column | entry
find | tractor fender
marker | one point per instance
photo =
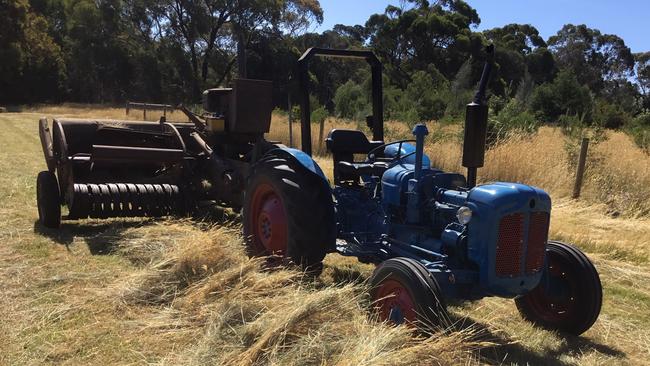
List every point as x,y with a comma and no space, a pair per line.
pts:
302,159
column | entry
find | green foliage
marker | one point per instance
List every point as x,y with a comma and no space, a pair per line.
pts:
319,115
424,93
609,115
32,66
512,119
642,68
639,130
351,101
412,37
574,130
642,120
424,99
596,59
563,96
460,91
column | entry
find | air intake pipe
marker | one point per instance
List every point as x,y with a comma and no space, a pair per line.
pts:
476,118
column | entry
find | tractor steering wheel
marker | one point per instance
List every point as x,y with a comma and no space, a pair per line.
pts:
371,154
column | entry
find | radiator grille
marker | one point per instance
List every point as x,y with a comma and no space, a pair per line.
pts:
537,236
510,245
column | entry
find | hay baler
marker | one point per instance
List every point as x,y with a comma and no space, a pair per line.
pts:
112,168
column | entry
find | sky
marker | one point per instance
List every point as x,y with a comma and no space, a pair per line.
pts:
625,18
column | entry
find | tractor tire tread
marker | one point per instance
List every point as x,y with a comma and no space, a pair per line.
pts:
591,291
48,200
309,207
432,309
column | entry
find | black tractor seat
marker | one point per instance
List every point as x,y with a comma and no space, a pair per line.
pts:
355,170
344,144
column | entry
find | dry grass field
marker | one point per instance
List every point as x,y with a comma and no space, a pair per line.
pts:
138,291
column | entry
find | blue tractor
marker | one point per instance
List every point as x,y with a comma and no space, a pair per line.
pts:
434,235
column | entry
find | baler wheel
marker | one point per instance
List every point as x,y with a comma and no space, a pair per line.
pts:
288,213
569,296
404,292
48,200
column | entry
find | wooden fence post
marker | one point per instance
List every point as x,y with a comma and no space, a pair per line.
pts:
580,172
127,108
144,112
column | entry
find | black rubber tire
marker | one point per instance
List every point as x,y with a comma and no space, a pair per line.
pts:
586,293
48,200
422,288
309,209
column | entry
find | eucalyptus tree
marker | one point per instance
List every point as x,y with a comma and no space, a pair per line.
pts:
220,31
422,33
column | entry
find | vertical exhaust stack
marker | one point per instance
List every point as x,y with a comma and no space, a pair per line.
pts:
476,117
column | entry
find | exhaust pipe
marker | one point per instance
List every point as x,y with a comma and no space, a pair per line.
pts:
476,117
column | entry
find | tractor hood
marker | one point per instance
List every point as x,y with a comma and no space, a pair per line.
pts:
507,236
506,197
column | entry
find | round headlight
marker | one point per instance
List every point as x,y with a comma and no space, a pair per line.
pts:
464,215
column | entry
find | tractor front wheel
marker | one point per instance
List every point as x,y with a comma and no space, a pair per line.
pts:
48,200
569,295
288,212
404,292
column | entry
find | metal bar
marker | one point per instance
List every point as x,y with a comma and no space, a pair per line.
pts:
377,102
584,147
305,112
471,177
336,53
105,153
303,67
151,106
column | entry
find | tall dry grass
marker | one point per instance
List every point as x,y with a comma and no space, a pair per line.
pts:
617,174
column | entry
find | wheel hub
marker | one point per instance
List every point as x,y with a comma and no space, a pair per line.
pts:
395,303
554,299
270,221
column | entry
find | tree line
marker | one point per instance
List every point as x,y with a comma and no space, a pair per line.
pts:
108,51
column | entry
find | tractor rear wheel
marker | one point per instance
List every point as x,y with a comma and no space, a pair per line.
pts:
404,292
48,200
569,296
288,212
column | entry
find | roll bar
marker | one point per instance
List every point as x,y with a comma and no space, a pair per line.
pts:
375,122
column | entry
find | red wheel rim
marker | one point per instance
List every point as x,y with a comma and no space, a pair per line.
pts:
268,221
554,299
395,302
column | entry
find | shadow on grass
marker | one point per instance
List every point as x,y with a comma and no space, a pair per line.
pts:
102,238
345,275
509,351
